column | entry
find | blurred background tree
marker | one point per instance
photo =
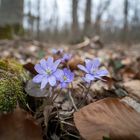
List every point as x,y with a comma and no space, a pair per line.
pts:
11,18
71,20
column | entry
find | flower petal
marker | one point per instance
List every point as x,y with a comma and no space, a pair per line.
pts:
68,74
89,77
61,50
44,82
83,68
38,78
96,63
88,64
101,73
55,64
85,80
39,69
52,80
49,61
58,74
54,51
66,57
43,64
64,85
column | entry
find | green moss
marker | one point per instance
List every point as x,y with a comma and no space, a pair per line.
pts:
8,31
12,78
13,67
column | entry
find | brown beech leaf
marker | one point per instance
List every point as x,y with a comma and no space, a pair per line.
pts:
30,67
108,118
110,81
19,125
133,88
72,63
127,73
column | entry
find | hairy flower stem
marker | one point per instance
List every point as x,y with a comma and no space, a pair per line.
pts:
85,97
54,98
51,92
72,100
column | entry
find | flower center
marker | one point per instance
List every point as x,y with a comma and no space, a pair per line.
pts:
48,71
94,71
65,78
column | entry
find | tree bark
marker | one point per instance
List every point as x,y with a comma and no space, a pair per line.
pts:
75,27
38,20
101,9
87,22
125,25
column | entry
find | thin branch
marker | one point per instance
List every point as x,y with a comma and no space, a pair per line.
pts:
67,123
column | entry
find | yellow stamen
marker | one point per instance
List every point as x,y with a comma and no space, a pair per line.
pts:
48,71
65,78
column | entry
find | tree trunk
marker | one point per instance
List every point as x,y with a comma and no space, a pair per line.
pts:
102,7
125,25
75,27
38,20
97,25
87,22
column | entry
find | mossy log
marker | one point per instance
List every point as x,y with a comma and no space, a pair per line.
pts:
12,78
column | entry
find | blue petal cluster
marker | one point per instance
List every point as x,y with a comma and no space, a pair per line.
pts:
92,70
66,78
66,57
47,72
55,51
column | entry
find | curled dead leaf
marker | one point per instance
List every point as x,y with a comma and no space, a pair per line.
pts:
110,81
133,88
34,90
30,67
19,125
72,63
127,73
108,118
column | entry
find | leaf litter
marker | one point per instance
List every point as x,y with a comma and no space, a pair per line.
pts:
110,116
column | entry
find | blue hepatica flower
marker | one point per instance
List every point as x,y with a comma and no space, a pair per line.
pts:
66,57
47,72
92,70
55,51
66,78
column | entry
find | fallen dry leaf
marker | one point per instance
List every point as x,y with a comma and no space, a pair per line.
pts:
33,89
30,67
127,73
133,88
131,102
19,125
109,118
72,63
110,81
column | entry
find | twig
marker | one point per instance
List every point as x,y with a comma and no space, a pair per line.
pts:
68,123
83,44
29,108
68,118
69,134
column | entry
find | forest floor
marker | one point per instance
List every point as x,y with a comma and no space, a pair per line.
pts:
64,121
